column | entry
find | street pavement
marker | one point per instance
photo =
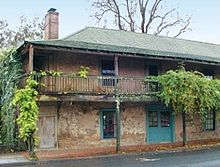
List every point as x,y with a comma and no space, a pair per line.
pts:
198,158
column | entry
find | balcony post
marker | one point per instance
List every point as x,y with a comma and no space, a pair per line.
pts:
30,58
116,65
117,100
118,122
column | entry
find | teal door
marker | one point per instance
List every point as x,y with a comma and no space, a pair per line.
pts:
159,125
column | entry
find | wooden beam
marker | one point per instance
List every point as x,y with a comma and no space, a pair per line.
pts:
116,65
30,58
105,53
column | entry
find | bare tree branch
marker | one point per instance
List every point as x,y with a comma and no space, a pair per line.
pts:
152,14
143,7
184,28
131,23
150,18
163,25
118,14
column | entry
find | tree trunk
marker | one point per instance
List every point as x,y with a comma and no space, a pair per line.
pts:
31,144
184,128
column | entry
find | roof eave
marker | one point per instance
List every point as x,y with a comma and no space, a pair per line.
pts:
127,54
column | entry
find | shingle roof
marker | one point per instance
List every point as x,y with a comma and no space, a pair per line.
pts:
137,43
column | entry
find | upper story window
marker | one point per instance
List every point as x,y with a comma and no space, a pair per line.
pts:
108,68
41,63
209,74
153,70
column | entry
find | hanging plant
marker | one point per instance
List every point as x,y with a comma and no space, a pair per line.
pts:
83,71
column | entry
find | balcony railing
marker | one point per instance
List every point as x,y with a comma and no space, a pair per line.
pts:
95,85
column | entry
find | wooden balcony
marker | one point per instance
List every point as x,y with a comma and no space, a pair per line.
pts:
94,85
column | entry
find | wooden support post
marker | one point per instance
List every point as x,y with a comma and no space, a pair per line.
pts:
184,127
117,100
30,58
116,65
118,124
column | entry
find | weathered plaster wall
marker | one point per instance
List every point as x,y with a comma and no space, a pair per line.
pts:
178,127
79,125
195,130
133,124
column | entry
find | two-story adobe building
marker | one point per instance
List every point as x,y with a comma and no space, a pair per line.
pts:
80,113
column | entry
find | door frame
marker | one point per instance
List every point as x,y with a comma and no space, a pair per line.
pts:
158,106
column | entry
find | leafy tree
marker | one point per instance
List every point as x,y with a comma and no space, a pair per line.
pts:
10,73
25,30
149,16
189,93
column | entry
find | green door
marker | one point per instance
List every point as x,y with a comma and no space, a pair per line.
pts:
159,124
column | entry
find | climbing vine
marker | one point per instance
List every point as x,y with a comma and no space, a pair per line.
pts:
25,99
189,93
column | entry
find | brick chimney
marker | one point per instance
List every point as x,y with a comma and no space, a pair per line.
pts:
51,30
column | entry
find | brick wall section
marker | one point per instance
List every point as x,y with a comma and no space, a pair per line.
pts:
51,25
70,62
131,67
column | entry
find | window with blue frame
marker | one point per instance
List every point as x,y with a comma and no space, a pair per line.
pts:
108,123
108,71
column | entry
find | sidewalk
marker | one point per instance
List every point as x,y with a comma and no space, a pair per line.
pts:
53,156
12,159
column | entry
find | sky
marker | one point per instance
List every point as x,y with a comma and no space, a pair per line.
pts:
76,14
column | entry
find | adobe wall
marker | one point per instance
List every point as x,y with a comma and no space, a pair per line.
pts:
133,124
195,130
79,125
